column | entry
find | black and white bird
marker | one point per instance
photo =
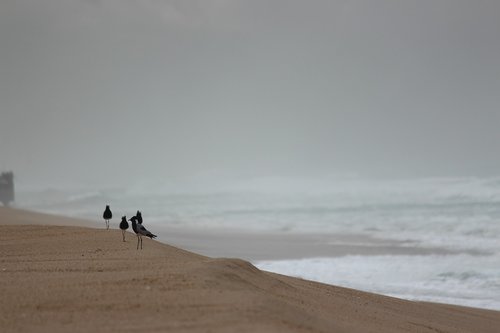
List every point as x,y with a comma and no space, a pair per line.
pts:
107,215
140,231
124,226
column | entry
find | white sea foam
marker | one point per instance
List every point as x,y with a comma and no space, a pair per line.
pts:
457,279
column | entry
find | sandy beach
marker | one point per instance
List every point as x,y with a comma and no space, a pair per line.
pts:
60,274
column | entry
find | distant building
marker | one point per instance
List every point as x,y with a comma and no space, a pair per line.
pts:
6,188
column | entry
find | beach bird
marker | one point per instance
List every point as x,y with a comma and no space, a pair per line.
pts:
107,215
124,226
140,231
139,217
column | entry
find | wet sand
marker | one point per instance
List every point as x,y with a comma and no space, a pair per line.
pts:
256,246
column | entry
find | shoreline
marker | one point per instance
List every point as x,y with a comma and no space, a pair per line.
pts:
60,278
262,246
258,246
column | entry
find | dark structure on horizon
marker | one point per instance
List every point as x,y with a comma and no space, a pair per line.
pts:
6,188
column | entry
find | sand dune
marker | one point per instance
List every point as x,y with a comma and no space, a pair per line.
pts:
70,278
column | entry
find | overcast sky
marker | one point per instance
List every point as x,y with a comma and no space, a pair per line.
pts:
108,91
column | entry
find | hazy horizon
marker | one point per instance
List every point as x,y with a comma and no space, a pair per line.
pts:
105,92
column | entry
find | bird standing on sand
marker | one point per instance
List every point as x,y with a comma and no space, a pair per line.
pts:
140,231
107,215
124,226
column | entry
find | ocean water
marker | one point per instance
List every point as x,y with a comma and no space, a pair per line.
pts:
460,215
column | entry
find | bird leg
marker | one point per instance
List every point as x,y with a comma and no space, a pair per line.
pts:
141,242
123,234
137,242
